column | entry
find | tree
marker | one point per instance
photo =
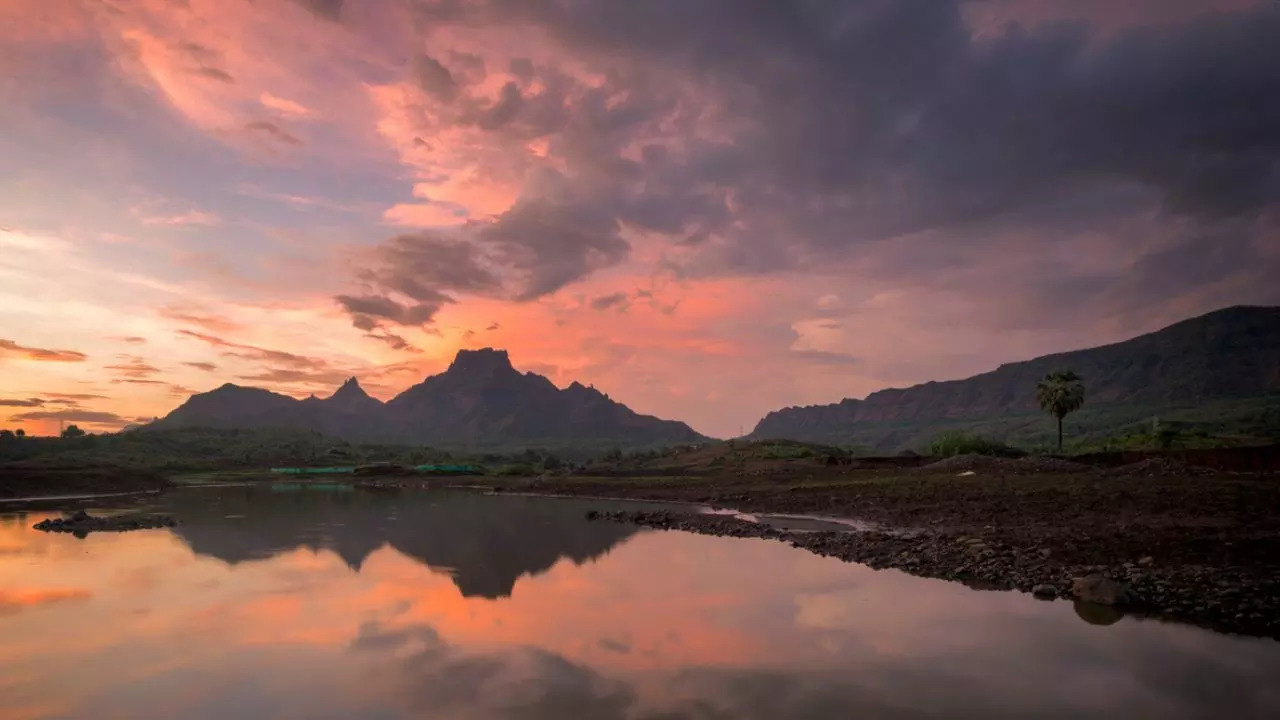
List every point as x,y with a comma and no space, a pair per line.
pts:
20,433
1060,393
72,431
6,434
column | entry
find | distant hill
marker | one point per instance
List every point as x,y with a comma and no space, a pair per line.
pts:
1223,367
481,401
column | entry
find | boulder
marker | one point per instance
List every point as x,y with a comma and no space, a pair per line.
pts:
1101,590
1044,591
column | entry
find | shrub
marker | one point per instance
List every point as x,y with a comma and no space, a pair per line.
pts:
956,442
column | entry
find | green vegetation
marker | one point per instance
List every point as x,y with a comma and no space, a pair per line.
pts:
1226,422
198,449
1060,393
217,454
956,442
788,450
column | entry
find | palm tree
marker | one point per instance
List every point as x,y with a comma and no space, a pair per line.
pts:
1060,393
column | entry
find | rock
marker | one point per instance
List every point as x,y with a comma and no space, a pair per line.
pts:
1146,561
593,514
1101,590
1045,591
82,523
1045,552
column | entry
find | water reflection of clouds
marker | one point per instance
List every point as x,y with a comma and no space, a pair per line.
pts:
664,625
15,600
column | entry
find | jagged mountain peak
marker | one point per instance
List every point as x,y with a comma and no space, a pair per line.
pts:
351,397
350,388
481,400
483,360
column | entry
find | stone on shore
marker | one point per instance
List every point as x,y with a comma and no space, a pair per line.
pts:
1102,591
1045,591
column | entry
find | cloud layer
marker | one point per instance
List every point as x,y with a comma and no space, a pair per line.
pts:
671,200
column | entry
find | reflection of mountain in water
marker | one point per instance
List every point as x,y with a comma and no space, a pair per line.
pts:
486,543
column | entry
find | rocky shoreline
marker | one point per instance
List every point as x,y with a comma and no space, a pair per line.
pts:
1236,599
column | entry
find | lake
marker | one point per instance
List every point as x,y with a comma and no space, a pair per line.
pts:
330,602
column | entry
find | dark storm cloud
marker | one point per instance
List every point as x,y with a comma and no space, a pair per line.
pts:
374,307
214,73
434,78
206,60
287,376
394,341
547,240
821,357
422,267
134,367
420,264
272,131
86,416
30,402
255,353
604,302
843,124
71,397
504,110
324,9
550,242
9,348
522,68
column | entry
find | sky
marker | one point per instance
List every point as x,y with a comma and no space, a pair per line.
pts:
707,209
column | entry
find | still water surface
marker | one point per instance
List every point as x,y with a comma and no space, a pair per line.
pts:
279,603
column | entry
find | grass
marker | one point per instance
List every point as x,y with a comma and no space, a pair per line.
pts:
1222,423
956,442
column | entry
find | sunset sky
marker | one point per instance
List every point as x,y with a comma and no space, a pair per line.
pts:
707,208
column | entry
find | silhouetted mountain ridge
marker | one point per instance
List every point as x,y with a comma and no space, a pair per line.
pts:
480,400
1230,353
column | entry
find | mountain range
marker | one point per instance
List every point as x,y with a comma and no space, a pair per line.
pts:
480,401
1225,364
1220,370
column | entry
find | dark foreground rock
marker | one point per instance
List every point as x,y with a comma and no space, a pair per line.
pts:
1235,599
82,523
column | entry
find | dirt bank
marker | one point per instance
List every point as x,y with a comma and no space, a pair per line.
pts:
18,481
1187,544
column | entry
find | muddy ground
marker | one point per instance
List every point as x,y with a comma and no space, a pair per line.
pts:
1184,543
